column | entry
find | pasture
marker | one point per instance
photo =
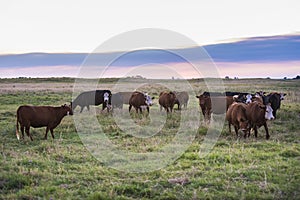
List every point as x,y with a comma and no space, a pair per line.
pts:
63,168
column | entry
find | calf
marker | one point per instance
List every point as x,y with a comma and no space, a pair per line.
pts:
167,100
140,100
40,116
182,99
236,115
96,98
258,114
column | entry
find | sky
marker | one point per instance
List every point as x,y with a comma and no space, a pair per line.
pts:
56,26
80,26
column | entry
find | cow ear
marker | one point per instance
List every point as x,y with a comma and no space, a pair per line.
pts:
284,94
198,97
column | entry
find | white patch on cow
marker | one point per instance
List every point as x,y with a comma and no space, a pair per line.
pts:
148,100
282,96
235,97
269,112
18,136
106,96
248,98
143,107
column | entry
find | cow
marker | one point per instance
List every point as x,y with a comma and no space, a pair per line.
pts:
258,114
275,99
167,100
219,107
139,101
182,99
40,116
96,97
237,116
117,101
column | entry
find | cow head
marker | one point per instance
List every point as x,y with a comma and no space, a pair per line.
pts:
68,109
248,98
148,99
269,112
244,124
282,96
107,100
202,99
106,97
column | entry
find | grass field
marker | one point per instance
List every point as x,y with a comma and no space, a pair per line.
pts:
63,168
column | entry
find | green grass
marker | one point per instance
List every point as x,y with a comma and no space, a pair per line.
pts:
236,168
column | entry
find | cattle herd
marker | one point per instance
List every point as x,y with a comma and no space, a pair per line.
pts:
243,110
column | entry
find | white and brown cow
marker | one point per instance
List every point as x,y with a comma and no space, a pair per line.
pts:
139,101
258,114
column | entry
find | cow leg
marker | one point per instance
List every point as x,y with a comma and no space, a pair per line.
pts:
81,109
88,107
255,131
229,126
140,108
274,113
47,130
22,131
236,130
130,106
28,133
209,116
148,109
51,130
267,131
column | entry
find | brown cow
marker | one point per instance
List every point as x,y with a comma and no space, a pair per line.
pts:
236,115
40,116
140,100
258,114
219,107
182,99
167,100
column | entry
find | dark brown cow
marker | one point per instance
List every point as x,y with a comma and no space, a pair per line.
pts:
167,100
219,107
139,101
236,115
182,99
258,114
40,116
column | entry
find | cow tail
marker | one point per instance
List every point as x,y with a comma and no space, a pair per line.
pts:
17,128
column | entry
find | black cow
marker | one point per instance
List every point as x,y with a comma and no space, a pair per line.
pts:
96,98
275,99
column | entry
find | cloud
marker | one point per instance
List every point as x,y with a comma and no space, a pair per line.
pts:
274,56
